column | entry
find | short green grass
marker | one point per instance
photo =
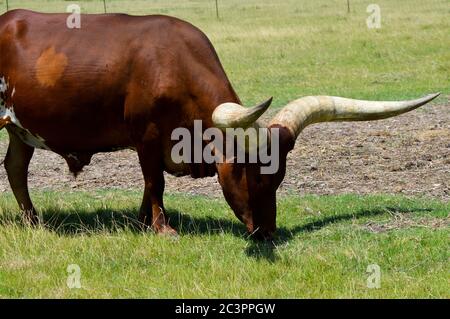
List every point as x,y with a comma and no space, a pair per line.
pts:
292,48
4,136
323,249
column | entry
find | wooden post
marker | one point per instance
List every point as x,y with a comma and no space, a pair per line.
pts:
217,10
104,5
7,5
348,6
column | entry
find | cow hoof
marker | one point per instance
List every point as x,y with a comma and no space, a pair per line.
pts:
31,220
31,223
167,231
144,222
142,218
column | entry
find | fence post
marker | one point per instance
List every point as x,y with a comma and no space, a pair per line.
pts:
348,6
217,10
7,5
104,5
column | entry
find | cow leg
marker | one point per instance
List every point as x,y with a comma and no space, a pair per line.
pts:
152,211
17,160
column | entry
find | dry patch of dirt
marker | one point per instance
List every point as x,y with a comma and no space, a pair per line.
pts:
400,221
409,154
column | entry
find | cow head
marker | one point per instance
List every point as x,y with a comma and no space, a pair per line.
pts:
249,191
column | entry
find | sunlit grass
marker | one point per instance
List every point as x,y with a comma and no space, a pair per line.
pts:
323,249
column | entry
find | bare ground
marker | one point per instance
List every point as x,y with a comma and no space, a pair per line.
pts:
408,155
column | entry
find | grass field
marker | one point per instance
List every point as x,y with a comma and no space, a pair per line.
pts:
286,49
292,48
324,248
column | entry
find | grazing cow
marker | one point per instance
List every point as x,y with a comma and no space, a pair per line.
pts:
124,81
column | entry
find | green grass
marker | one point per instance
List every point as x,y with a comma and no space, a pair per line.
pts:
4,136
323,249
292,48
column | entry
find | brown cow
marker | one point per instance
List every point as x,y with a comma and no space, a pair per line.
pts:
124,81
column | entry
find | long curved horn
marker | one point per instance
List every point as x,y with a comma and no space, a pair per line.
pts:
232,115
314,109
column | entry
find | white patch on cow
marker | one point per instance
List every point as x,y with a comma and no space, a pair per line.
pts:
25,135
3,86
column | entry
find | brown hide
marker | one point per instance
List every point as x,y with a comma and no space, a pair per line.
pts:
111,84
118,82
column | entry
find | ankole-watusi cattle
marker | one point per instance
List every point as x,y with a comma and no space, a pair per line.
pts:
124,81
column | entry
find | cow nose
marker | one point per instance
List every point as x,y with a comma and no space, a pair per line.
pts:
260,232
